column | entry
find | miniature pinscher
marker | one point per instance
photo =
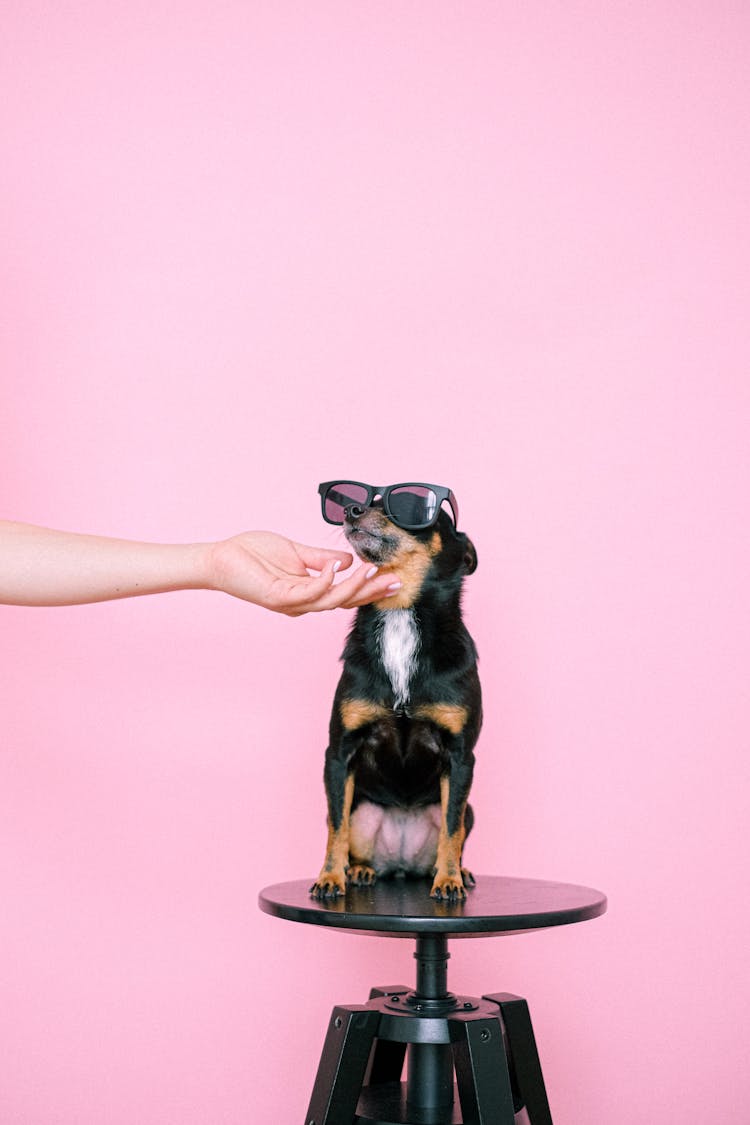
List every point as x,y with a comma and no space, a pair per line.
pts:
407,710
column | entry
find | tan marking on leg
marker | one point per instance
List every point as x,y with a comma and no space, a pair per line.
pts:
453,718
448,882
332,878
356,713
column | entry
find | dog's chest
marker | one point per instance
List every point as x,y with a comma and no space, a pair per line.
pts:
398,644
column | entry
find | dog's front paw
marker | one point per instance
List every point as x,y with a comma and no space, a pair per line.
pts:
329,884
361,875
448,888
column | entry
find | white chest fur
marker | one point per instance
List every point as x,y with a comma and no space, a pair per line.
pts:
399,648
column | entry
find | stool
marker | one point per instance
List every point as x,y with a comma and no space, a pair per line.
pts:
482,1047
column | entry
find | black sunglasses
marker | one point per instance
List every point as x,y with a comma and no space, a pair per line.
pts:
413,507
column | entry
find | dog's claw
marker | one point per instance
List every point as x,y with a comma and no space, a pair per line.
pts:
448,890
327,888
361,875
468,878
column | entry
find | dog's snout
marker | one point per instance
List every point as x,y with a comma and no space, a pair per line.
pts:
354,511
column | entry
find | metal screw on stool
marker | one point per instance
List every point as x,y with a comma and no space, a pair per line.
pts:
486,1035
337,1024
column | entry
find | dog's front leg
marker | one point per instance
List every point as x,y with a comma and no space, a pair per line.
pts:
339,783
454,792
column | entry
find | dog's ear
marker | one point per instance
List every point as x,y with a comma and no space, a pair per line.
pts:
470,556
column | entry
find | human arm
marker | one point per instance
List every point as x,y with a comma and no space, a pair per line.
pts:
42,567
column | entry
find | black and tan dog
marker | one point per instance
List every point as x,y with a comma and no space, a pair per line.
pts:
406,714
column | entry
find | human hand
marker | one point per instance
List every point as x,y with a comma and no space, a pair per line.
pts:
271,571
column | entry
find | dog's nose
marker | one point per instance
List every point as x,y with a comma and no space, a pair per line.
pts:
354,511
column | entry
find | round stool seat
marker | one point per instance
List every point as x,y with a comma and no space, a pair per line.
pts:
470,1059
403,907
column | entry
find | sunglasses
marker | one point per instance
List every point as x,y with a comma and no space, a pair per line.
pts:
412,507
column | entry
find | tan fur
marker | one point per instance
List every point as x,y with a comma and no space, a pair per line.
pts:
361,874
446,715
448,873
332,878
355,713
410,565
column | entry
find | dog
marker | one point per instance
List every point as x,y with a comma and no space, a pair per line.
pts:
408,709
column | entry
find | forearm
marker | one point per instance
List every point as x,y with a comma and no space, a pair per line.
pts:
42,567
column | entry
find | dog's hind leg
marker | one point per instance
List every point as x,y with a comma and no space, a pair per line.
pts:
366,821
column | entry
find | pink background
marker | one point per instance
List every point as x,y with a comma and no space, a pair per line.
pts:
248,247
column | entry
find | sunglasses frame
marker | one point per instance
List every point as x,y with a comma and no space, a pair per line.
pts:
442,494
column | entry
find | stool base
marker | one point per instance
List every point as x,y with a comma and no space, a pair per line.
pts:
487,1045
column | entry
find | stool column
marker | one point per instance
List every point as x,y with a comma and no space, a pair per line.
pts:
429,1081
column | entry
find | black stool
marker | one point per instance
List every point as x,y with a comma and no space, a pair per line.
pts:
487,1043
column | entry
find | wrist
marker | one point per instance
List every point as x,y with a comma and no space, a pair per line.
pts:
213,564
200,567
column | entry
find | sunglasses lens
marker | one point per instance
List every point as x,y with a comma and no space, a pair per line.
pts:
414,506
340,496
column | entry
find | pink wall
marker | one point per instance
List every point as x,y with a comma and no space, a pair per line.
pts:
248,247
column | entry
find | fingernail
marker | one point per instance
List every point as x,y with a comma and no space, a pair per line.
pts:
336,565
394,586
371,572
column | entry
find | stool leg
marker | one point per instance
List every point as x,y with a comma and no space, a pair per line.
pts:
481,1071
524,1056
342,1066
387,1061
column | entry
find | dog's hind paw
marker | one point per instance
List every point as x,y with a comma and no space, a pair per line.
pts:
361,875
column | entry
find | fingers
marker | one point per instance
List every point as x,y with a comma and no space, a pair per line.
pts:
317,558
360,589
303,596
372,595
318,594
